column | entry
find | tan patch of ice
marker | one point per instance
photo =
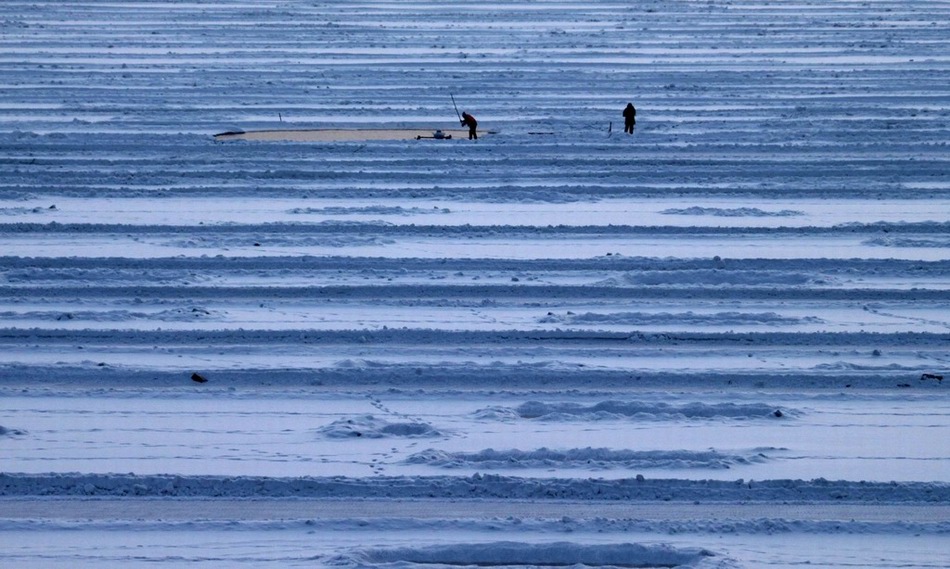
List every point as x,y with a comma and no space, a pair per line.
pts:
335,135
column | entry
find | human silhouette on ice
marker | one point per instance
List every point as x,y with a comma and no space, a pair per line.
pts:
469,121
629,118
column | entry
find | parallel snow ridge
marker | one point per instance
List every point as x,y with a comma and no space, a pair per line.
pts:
596,458
580,338
777,222
476,486
734,212
762,526
762,100
641,410
367,210
684,318
184,314
505,554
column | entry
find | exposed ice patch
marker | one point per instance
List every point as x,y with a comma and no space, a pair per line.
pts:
599,458
731,212
370,427
514,554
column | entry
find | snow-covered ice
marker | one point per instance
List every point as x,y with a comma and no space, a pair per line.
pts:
719,342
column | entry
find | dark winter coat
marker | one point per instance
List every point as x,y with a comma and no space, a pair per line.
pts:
630,113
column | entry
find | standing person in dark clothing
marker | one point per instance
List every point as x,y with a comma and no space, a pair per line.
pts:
469,121
629,118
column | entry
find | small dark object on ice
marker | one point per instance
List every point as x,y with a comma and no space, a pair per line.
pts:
926,376
198,378
438,135
231,132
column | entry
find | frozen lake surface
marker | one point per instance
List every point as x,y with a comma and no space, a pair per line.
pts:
718,342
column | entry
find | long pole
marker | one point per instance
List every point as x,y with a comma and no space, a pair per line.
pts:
456,107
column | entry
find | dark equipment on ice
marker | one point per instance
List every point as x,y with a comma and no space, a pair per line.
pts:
437,135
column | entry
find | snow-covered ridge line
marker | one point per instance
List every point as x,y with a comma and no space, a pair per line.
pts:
507,554
121,381
605,263
391,229
596,458
539,410
770,526
476,292
476,486
530,172
544,191
418,336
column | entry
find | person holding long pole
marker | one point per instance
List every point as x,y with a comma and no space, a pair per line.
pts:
466,120
469,121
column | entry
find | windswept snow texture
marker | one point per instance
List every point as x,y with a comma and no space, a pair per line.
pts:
642,318
593,458
507,554
640,410
726,333
737,212
371,427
